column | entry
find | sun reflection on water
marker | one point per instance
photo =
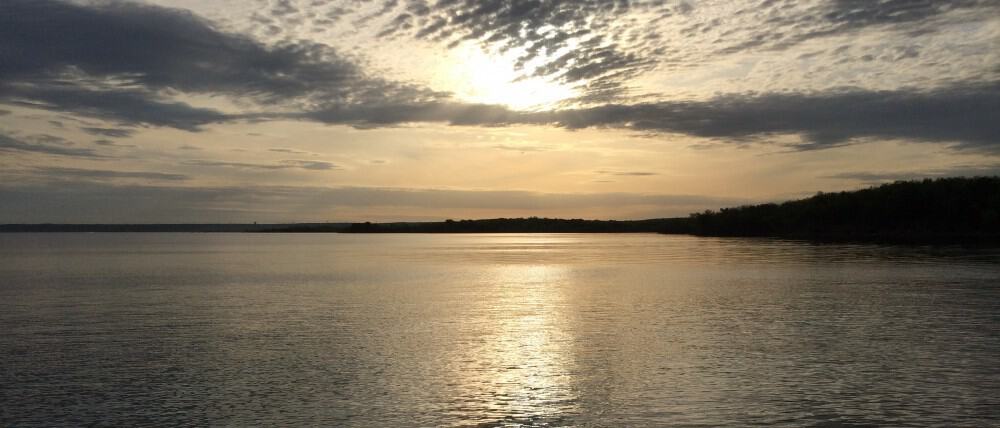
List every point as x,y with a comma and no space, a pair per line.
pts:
522,363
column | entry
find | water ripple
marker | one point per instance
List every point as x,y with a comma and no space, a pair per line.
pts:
494,331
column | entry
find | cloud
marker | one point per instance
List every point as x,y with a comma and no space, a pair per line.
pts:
627,173
124,62
44,144
132,64
968,115
240,165
170,49
288,150
109,132
851,14
520,148
49,139
189,147
285,164
110,203
313,165
109,143
776,25
129,106
94,174
599,46
597,43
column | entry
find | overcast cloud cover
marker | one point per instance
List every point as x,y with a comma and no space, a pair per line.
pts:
96,91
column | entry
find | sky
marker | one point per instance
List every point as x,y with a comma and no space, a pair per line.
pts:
225,111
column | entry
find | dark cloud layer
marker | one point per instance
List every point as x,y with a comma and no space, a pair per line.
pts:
120,61
127,106
156,48
968,115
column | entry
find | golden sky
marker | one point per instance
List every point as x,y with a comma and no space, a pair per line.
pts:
315,110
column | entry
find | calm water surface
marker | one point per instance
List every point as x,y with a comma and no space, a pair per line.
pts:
494,330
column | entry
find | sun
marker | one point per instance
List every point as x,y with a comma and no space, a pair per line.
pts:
481,77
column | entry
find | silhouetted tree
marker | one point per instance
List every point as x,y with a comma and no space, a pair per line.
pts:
945,209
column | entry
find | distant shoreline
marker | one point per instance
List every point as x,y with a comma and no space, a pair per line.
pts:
149,228
434,228
669,226
532,225
939,211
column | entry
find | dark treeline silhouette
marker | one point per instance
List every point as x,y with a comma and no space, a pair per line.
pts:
931,210
928,211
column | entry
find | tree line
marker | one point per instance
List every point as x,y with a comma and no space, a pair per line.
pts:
930,210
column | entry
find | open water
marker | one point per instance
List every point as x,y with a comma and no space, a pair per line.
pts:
494,330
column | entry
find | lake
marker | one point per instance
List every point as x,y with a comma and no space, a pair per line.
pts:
494,330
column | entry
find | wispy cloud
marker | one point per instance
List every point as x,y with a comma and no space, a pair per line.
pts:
44,145
285,164
520,148
109,132
627,173
289,151
109,143
307,164
101,175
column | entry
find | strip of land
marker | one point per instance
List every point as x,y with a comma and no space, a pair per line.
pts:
944,210
159,228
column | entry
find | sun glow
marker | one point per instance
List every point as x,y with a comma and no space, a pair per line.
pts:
480,77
